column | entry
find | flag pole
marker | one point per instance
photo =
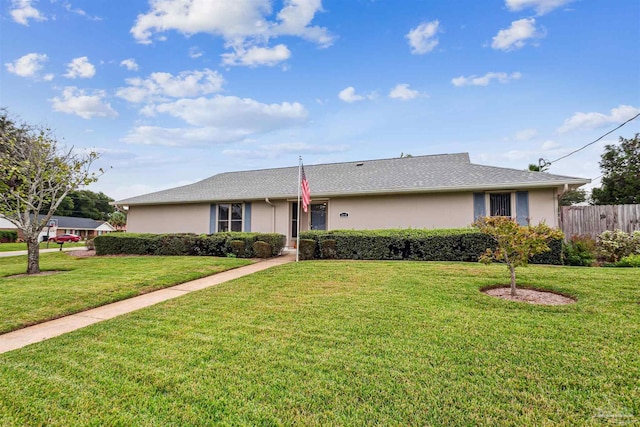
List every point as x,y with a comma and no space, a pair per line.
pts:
298,214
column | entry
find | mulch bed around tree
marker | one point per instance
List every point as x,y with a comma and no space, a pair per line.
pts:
531,296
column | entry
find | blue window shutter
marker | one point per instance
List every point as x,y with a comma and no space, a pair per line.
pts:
247,217
479,208
212,219
522,207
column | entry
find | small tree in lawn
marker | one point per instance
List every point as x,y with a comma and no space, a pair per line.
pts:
516,244
34,174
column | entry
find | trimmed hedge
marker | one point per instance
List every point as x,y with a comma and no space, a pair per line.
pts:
219,244
8,236
412,244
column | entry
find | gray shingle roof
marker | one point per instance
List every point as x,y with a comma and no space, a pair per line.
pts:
443,172
76,223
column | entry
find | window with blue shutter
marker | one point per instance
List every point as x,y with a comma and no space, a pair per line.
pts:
522,207
212,219
247,217
479,209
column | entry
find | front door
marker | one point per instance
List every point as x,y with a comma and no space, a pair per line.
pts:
319,216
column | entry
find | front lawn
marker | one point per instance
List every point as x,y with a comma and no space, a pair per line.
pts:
347,343
84,283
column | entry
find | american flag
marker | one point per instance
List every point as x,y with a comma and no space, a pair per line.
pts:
306,194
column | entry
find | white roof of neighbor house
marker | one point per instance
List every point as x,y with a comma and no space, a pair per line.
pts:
5,223
434,173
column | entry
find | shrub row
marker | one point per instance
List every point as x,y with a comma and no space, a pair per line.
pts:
241,245
8,236
408,244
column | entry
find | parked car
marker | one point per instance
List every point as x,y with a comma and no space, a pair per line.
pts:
64,238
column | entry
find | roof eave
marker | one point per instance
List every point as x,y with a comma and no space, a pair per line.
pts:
486,187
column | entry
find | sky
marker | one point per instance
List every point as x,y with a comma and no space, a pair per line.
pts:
170,92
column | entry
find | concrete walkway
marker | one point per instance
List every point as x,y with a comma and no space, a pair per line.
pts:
42,251
33,334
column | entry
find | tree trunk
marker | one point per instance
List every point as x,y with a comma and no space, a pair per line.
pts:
33,251
512,270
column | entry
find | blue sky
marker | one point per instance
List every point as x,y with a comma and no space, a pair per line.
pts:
174,91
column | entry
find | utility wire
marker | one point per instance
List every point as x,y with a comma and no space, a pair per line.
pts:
593,142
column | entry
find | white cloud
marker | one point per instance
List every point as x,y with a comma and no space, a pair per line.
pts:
275,150
130,64
158,86
295,19
23,10
597,120
243,24
402,91
77,101
178,137
220,119
549,145
255,56
233,112
540,6
80,12
516,35
195,52
80,67
27,65
422,39
485,80
526,134
349,95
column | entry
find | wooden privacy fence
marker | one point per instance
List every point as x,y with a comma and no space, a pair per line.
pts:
593,220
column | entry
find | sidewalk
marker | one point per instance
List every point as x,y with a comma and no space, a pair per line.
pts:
42,251
33,334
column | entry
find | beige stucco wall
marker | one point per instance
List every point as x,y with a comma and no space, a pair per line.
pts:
193,218
262,217
435,210
402,211
543,206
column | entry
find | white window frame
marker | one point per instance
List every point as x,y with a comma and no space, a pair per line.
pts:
512,201
229,219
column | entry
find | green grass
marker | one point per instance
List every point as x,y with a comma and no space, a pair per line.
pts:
85,283
346,343
11,247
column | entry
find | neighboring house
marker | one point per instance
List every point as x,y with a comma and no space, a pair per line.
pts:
438,191
86,228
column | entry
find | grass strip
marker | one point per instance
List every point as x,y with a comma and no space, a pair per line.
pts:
83,283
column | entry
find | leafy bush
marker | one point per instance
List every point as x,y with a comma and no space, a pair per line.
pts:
307,249
261,249
458,244
616,244
579,251
629,261
238,247
328,249
218,244
8,236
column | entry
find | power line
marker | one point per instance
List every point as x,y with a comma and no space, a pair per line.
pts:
593,142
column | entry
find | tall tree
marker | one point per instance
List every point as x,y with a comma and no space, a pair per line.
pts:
118,220
86,204
620,167
573,197
35,172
